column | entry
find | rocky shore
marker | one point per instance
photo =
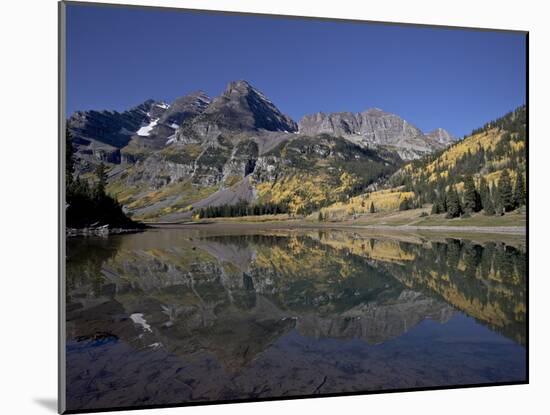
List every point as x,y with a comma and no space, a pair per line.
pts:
104,230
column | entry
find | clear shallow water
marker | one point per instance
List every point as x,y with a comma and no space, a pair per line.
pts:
175,316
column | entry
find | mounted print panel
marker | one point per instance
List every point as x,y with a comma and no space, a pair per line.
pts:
265,207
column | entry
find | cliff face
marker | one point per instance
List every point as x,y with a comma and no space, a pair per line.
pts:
374,125
375,128
442,136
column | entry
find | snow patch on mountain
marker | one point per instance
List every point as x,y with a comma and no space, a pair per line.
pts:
145,130
137,318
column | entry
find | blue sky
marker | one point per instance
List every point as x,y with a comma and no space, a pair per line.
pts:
450,78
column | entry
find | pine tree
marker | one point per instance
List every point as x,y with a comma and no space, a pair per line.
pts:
443,202
484,192
101,180
431,195
488,207
320,217
505,191
471,196
496,200
436,208
87,207
372,208
519,191
81,188
454,209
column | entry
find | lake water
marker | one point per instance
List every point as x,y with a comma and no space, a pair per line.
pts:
184,315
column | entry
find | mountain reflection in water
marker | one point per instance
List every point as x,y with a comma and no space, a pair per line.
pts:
175,316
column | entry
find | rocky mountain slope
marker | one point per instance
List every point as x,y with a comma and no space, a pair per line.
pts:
99,135
240,108
376,128
167,160
487,153
496,150
441,136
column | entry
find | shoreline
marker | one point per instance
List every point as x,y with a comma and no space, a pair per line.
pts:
509,230
103,231
513,230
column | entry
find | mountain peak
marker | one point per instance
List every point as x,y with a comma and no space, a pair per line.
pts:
238,85
245,88
375,111
243,107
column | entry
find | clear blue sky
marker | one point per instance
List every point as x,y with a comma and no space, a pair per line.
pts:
449,78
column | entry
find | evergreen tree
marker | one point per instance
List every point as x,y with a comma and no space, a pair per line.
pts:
471,196
486,197
505,191
489,207
86,207
101,180
497,201
320,217
436,208
372,208
443,202
82,188
484,192
519,191
454,209
430,195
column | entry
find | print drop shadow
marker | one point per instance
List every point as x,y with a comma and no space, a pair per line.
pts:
48,403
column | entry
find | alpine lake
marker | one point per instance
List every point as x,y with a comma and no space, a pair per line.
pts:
203,313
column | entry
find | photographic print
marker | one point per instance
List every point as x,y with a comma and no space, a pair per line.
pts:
265,207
